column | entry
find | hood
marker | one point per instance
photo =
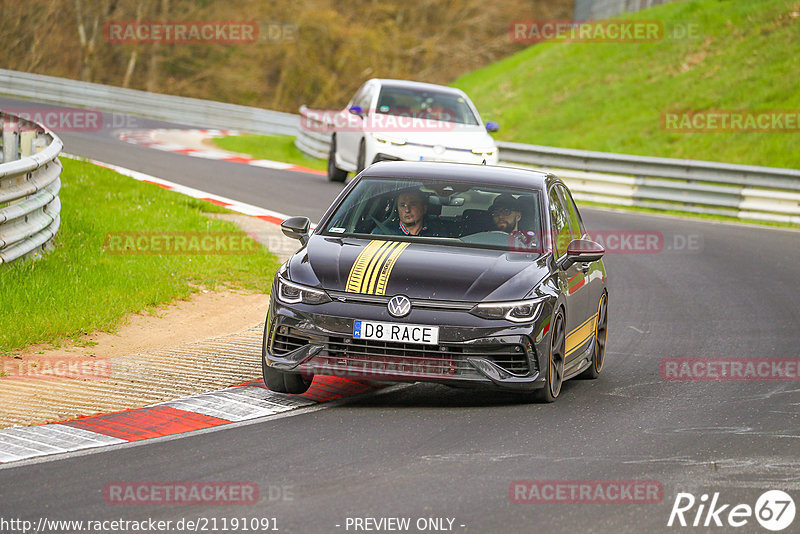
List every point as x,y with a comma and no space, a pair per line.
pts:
417,270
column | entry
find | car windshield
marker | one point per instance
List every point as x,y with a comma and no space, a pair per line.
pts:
434,105
445,211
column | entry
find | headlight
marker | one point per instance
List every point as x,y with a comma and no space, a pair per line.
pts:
488,151
518,311
291,293
389,139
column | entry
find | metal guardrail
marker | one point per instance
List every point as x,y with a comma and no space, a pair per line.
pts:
743,191
692,186
311,139
30,210
184,110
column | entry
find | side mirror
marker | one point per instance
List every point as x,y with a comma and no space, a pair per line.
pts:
356,110
583,251
296,228
492,126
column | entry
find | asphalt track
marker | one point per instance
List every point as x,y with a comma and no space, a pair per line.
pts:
427,451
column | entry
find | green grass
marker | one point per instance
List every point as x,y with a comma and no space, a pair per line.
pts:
688,214
271,147
610,96
79,288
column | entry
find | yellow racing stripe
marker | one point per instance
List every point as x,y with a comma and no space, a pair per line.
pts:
375,265
386,271
580,335
356,275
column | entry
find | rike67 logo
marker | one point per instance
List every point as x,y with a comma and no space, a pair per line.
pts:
774,510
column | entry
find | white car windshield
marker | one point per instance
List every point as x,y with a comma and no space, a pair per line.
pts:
434,105
444,211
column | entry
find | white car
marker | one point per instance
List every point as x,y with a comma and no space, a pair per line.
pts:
390,120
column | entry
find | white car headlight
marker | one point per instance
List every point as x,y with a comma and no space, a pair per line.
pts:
389,139
291,293
488,151
518,311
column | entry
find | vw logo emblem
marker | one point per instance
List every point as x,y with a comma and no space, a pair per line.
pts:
399,306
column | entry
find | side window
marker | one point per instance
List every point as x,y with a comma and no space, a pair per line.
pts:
559,222
575,223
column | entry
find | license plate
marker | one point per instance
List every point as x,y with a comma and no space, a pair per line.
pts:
396,332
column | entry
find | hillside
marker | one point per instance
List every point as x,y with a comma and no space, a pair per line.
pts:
315,52
611,96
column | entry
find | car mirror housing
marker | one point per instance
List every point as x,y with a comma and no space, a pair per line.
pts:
296,228
356,110
583,251
492,126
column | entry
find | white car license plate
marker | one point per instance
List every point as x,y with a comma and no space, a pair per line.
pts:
396,332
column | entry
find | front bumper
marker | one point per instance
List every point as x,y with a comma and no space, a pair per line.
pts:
471,351
418,152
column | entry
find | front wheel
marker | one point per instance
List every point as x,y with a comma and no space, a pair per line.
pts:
335,174
555,363
283,382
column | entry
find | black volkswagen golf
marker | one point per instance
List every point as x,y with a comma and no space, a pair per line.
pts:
466,275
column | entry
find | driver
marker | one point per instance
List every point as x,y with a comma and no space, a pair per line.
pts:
412,208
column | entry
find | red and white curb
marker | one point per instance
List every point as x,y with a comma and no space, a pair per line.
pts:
241,403
155,139
233,205
250,400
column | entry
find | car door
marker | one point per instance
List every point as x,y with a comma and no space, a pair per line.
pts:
349,138
594,272
569,279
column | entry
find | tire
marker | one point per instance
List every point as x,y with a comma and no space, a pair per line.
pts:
600,336
554,378
281,381
334,173
362,157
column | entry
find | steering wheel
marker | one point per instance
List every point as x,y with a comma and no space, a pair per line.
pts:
385,229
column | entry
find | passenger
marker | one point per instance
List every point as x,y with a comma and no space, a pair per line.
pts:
506,213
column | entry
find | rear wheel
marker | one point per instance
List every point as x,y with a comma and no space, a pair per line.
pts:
334,173
600,335
555,363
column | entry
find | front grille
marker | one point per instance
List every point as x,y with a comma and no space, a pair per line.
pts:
435,359
286,340
405,358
